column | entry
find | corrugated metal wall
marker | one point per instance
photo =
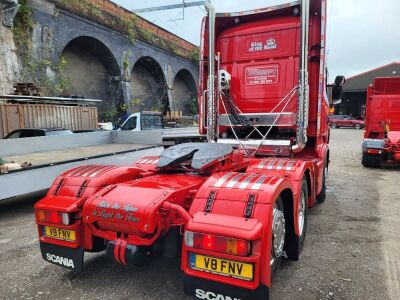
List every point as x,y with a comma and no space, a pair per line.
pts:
15,116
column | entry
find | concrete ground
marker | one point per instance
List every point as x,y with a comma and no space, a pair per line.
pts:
352,248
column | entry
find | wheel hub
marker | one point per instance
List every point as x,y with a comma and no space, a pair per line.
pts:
278,234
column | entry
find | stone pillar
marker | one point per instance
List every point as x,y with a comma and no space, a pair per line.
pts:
126,91
169,78
125,83
10,68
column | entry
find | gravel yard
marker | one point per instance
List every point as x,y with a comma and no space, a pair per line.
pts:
352,248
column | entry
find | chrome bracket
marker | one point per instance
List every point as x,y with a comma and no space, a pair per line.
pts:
9,9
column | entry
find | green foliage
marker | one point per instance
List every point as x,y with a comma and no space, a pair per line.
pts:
146,35
195,55
125,61
52,85
131,36
135,105
35,69
173,47
25,14
109,114
2,161
157,107
193,106
61,82
22,30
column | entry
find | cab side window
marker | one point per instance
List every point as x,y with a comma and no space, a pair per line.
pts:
130,124
14,135
27,133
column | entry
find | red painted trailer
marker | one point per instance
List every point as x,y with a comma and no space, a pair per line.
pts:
236,205
381,145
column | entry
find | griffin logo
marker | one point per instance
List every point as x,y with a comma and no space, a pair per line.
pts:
200,294
66,262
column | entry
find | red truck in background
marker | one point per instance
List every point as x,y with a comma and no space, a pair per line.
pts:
381,145
231,208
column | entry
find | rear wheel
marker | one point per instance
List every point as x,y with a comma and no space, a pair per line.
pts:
333,125
357,126
369,161
278,232
302,214
364,161
322,195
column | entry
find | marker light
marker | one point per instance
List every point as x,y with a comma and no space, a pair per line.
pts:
55,217
217,243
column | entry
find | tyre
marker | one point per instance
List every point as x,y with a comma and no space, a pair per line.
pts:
365,161
302,214
368,161
357,126
322,195
278,232
333,125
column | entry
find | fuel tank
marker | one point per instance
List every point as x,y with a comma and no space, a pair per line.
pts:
134,207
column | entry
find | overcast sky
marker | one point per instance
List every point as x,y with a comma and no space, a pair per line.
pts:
362,34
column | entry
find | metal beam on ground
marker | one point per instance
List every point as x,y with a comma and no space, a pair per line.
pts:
24,98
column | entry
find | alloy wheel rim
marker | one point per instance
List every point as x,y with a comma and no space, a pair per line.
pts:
302,212
278,234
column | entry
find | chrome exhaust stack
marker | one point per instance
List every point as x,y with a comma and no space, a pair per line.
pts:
212,126
302,116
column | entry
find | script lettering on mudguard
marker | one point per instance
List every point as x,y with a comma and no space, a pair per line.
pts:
206,295
66,262
116,211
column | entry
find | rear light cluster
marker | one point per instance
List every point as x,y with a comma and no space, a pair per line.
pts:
55,217
217,243
374,151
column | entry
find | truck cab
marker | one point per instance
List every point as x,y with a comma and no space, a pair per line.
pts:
145,120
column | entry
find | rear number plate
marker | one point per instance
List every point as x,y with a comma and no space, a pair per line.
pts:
59,233
222,267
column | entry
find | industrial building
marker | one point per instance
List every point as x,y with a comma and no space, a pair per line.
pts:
355,89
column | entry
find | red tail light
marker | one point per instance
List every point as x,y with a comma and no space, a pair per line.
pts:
54,217
217,243
374,151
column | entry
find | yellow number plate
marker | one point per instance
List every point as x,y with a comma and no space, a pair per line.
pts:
59,233
223,267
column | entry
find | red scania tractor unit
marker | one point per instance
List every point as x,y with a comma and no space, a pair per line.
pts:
233,207
381,145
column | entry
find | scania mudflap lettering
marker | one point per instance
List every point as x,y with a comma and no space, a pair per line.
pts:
238,204
381,145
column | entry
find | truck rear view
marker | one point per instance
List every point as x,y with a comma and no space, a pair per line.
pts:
381,145
238,204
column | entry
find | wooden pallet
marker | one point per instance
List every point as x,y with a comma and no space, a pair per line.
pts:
26,89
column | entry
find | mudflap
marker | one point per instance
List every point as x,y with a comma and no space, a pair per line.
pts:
212,290
70,258
371,160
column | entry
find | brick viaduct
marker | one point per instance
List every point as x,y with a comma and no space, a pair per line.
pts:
104,63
